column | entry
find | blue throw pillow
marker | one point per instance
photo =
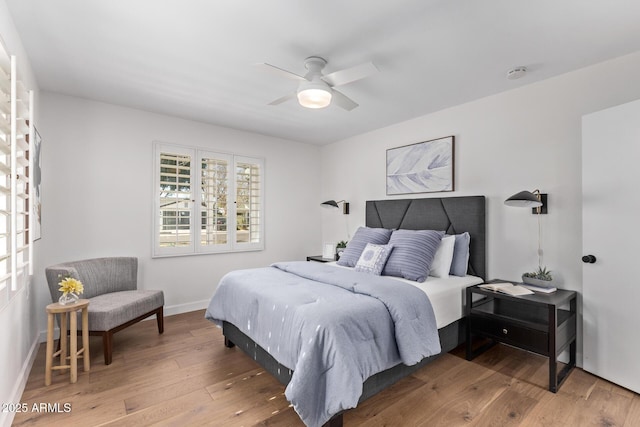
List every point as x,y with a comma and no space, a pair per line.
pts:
364,235
373,258
460,261
413,252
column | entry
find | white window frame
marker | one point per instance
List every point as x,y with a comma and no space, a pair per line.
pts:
196,210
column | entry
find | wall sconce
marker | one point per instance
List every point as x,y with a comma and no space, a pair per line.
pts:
529,199
333,203
538,202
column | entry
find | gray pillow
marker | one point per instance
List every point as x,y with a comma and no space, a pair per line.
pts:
364,235
460,261
413,252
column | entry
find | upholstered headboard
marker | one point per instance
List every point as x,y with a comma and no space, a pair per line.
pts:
455,215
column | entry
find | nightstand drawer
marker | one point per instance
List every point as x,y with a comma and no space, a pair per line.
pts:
510,333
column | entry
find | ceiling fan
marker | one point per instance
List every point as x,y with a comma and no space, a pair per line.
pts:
317,90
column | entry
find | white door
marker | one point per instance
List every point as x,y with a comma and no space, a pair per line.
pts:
610,230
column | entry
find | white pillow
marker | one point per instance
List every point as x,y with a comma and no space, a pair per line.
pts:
444,256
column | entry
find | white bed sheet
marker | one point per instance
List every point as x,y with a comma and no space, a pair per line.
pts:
447,295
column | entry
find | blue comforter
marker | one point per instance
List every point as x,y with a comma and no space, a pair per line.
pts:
332,326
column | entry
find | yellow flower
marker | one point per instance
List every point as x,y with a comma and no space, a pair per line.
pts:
71,285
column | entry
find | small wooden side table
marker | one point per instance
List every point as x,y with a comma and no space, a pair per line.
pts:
74,353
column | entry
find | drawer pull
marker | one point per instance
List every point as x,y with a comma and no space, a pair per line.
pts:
505,331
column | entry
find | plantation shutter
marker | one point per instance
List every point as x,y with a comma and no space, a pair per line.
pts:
16,124
249,201
174,197
206,202
214,202
5,175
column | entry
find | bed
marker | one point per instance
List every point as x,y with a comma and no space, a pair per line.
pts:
454,215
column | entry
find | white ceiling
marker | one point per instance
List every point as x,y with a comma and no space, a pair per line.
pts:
194,58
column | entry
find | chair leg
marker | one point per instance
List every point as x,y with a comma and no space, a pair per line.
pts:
107,339
160,319
107,336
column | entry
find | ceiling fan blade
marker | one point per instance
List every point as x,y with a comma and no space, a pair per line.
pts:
348,75
279,71
343,101
284,99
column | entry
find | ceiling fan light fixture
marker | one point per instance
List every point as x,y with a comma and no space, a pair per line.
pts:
314,96
317,90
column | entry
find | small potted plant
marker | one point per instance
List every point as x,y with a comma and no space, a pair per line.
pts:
340,247
541,277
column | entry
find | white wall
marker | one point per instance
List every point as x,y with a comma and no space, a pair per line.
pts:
523,139
18,339
97,191
97,195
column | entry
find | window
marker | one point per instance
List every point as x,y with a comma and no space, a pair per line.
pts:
16,124
248,200
206,202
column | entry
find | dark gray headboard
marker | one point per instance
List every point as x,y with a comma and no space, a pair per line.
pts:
455,215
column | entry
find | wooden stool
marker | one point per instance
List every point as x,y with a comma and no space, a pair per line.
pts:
57,308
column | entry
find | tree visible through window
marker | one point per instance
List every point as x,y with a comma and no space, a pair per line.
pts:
248,201
214,176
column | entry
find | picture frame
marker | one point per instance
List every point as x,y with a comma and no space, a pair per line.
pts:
423,167
329,251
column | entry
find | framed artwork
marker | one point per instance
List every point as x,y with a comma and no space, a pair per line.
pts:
36,205
425,167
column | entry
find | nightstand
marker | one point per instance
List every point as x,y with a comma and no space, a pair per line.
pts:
541,323
318,258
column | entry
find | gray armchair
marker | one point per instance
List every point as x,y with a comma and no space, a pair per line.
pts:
111,286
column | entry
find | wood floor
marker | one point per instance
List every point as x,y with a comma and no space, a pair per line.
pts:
187,377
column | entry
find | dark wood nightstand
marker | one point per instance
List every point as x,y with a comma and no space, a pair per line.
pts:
318,258
535,323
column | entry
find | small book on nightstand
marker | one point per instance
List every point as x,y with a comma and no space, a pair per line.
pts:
506,288
542,289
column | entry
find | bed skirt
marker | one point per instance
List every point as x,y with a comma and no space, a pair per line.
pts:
451,336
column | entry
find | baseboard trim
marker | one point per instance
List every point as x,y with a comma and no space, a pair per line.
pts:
185,308
6,418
